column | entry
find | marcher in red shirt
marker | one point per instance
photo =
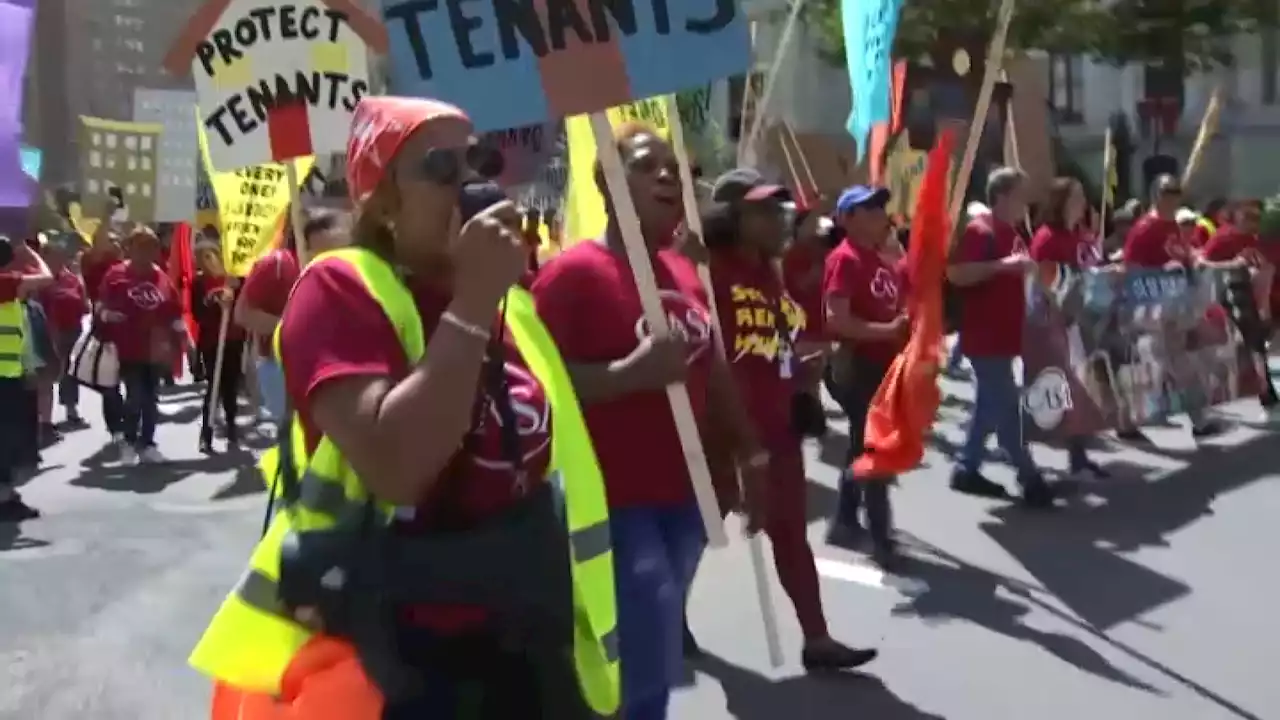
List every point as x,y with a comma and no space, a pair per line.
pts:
1157,242
142,315
759,326
1235,244
262,299
213,293
865,311
22,274
989,268
434,434
802,268
588,298
103,255
65,304
1064,239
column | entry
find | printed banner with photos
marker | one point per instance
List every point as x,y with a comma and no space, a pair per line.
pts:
1101,346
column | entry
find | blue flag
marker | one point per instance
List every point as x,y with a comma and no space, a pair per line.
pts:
869,29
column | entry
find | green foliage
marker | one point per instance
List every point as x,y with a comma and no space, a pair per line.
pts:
1194,34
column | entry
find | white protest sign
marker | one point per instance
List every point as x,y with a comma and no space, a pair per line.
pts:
276,80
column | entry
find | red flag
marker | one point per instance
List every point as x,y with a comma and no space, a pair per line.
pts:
905,405
182,272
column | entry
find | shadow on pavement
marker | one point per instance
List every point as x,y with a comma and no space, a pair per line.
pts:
750,696
11,539
154,478
247,481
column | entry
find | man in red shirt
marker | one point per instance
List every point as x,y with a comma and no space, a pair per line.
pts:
989,266
866,312
1156,241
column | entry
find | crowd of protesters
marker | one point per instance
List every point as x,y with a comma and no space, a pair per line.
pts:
807,295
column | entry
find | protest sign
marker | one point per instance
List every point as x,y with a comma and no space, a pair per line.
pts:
17,17
276,80
206,201
1104,346
511,65
178,152
115,154
584,215
525,150
32,161
251,206
869,29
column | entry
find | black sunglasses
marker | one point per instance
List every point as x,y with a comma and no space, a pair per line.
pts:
440,166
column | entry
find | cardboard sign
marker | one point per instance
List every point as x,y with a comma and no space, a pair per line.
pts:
516,64
1102,345
115,154
524,150
275,80
251,205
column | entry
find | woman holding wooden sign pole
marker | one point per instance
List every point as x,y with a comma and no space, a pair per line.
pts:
589,299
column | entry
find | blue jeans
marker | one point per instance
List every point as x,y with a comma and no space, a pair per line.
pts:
141,409
271,385
68,388
997,409
655,554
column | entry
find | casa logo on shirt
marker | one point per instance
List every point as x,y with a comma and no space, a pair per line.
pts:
884,286
532,414
1087,254
1176,246
687,320
146,295
756,323
1048,398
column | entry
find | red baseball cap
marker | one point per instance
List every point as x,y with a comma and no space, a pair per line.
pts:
381,125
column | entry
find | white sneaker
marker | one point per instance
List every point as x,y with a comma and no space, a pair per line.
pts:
128,455
151,455
118,439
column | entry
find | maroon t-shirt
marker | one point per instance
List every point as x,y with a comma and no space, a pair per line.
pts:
152,312
992,311
1154,242
872,289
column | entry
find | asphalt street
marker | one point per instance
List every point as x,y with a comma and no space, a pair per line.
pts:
1150,595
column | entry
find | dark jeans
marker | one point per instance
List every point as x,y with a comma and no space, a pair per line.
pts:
141,407
997,408
68,388
19,428
228,387
854,396
113,409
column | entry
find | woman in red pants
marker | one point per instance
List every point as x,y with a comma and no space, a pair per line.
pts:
745,233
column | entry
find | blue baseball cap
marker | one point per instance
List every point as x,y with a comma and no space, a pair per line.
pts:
862,196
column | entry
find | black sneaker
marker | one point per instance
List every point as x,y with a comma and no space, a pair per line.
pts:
691,647
15,510
1037,495
973,483
1133,435
1089,467
1209,429
842,534
831,656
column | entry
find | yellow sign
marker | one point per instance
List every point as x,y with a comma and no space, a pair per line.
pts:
251,205
584,215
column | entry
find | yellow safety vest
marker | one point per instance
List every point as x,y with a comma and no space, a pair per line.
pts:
12,339
252,638
1208,225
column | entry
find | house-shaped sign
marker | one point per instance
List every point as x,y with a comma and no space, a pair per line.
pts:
276,79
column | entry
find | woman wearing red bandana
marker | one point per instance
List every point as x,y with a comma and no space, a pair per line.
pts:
410,387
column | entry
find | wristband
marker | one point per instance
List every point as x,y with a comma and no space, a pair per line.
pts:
471,329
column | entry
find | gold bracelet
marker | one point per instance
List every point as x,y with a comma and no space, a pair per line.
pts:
471,329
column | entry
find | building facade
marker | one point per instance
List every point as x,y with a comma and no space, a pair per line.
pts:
91,55
116,154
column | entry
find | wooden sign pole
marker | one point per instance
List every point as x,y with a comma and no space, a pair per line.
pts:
638,257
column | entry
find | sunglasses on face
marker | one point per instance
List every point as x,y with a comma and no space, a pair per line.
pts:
644,160
439,166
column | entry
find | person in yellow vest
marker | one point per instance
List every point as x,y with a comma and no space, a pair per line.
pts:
429,404
22,272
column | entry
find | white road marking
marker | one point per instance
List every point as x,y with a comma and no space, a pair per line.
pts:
868,576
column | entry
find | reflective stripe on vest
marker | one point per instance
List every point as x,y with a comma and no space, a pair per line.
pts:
233,648
12,321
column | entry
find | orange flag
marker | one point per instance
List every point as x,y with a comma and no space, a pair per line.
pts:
905,405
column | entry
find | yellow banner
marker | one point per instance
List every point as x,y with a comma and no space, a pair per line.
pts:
251,205
584,215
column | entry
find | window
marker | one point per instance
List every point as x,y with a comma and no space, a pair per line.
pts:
1066,87
130,142
134,45
95,158
111,141
131,163
146,190
1270,66
92,186
146,163
96,139
146,143
130,189
111,162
